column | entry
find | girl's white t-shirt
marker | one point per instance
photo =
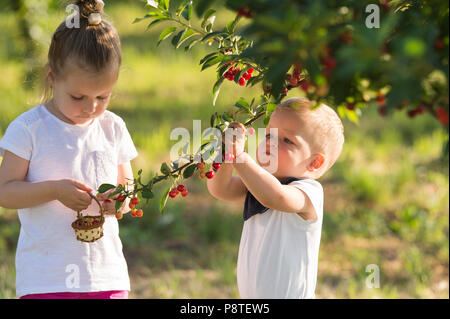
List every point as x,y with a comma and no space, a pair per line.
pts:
49,258
279,251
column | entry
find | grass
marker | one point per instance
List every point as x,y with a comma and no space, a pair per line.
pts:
386,199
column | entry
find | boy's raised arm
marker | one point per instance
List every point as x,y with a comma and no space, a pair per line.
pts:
269,191
225,186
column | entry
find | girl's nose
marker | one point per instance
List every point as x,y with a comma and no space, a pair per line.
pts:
90,107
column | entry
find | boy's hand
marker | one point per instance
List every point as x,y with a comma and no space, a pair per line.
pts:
234,139
73,194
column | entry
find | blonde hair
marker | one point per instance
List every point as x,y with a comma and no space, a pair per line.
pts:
328,129
94,46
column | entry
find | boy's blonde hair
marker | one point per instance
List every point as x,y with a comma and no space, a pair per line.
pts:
328,137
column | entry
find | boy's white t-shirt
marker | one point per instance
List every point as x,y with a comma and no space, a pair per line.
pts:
49,258
279,252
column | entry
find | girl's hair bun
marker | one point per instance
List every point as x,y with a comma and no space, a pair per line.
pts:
91,10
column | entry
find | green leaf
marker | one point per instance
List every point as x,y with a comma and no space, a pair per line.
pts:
211,62
163,200
216,91
206,57
149,15
212,35
188,171
165,169
202,5
271,107
242,104
208,19
177,38
165,4
117,205
187,11
232,24
213,119
186,35
117,191
226,117
147,194
191,44
105,187
165,34
157,20
266,119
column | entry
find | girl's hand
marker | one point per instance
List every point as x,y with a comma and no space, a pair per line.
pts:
235,138
108,204
73,194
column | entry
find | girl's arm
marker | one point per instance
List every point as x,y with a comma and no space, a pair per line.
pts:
16,193
225,186
268,190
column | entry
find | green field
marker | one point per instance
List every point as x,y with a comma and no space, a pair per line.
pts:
386,199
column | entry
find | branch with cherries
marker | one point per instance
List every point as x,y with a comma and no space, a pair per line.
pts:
317,47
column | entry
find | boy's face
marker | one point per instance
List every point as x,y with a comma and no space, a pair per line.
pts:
80,96
291,143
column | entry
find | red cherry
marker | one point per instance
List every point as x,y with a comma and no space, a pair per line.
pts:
133,212
247,76
350,106
201,166
304,85
420,109
244,12
131,205
442,115
296,72
293,81
209,174
329,63
184,193
412,113
172,194
201,174
382,111
181,188
250,71
439,44
134,200
216,166
381,99
139,213
346,37
242,81
121,198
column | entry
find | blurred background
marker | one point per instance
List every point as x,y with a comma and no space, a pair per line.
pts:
386,199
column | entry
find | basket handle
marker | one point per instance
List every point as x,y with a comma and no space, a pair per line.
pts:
99,205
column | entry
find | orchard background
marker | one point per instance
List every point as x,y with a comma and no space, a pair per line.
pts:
386,199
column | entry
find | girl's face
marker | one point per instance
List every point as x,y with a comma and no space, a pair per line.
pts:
79,96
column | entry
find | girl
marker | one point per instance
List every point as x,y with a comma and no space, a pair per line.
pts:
56,154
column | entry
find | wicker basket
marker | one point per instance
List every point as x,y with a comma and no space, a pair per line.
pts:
89,228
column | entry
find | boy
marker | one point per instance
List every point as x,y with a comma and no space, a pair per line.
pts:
279,248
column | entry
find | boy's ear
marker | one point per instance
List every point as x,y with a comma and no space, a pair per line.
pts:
317,162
